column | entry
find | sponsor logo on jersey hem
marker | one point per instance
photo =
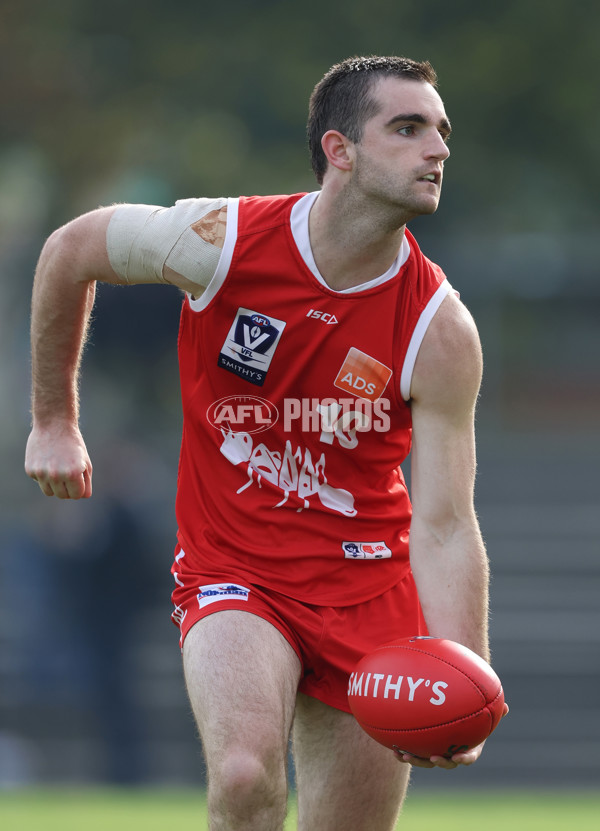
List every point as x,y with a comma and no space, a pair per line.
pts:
250,345
366,550
221,591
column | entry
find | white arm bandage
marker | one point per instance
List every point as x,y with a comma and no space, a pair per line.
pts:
142,239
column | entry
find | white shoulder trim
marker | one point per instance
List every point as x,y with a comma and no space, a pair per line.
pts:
417,337
231,232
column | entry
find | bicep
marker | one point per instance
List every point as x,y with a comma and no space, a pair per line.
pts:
446,384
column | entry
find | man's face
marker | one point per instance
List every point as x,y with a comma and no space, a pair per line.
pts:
400,158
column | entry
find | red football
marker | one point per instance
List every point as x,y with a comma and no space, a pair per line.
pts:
426,696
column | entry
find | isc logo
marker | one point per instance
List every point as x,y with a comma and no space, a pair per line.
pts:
242,414
324,316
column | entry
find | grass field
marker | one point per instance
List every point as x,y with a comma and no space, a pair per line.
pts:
157,810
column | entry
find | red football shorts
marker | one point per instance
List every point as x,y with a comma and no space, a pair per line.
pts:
329,640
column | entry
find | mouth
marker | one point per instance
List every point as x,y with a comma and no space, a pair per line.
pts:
434,178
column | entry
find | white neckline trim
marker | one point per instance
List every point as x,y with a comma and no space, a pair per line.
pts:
299,224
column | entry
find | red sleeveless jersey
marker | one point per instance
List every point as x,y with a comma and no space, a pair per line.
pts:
294,422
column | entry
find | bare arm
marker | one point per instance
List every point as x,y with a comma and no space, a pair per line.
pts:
72,259
447,553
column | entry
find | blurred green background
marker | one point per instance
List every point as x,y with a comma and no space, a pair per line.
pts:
154,101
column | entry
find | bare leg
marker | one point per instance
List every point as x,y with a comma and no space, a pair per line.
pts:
242,676
346,781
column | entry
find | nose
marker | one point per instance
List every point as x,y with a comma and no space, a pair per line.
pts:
437,147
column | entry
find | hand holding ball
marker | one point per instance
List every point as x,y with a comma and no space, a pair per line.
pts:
426,696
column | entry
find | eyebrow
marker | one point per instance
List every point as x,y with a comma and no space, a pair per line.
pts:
417,118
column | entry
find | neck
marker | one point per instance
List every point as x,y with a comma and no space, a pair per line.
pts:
352,243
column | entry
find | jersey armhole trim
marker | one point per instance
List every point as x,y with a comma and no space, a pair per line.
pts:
418,334
222,270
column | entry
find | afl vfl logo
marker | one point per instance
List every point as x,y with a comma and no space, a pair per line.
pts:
242,414
250,345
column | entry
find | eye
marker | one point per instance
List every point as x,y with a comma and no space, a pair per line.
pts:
409,130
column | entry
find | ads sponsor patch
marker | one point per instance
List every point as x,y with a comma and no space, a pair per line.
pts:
362,375
221,591
250,345
366,550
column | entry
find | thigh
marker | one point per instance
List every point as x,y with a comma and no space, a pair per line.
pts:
350,632
242,677
345,779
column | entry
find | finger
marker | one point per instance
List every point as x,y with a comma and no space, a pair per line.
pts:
444,763
410,759
45,487
61,485
44,484
87,477
467,758
76,486
60,489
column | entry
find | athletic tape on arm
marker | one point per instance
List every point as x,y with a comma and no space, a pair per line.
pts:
142,239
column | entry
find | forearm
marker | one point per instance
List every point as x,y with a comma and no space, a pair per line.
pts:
452,576
61,307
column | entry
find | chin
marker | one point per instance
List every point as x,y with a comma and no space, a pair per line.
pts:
421,204
426,207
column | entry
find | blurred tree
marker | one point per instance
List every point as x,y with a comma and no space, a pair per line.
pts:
151,100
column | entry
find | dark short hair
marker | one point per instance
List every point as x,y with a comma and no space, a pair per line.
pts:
342,99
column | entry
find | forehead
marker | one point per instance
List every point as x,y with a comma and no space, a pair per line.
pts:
400,95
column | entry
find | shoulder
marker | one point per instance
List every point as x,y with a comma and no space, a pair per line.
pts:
180,244
162,225
449,364
212,226
264,212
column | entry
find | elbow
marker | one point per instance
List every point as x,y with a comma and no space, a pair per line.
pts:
60,249
444,528
66,253
446,536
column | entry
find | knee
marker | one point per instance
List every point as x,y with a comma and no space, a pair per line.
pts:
244,784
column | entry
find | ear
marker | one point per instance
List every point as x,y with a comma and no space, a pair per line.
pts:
338,149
